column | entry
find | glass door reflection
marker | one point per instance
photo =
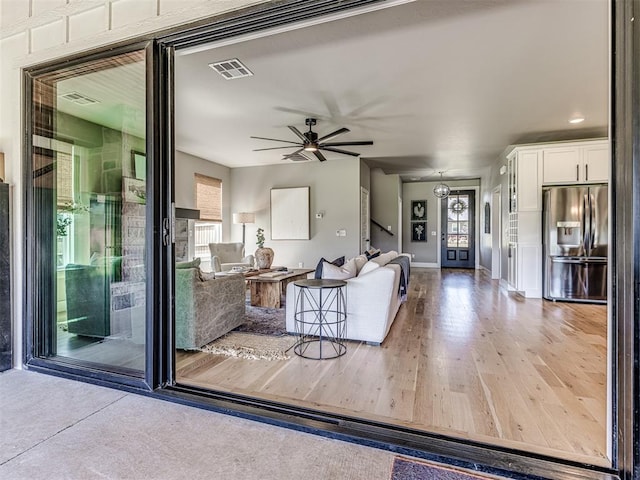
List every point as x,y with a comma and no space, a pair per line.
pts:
88,209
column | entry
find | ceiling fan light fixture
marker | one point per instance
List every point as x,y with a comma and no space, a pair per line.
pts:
311,142
441,190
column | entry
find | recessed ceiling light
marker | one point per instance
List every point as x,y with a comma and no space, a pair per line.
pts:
575,120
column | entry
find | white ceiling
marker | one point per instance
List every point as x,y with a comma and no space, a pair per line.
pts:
437,85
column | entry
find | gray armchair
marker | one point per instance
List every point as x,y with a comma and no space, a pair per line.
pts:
225,256
206,308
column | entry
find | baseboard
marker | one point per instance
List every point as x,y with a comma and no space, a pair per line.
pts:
424,265
533,294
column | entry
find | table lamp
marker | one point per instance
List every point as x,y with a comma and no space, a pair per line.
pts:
244,218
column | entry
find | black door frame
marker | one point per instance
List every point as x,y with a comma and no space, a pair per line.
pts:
625,128
444,219
36,331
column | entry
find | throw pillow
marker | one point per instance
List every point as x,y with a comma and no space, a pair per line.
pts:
191,264
372,253
338,262
368,267
332,272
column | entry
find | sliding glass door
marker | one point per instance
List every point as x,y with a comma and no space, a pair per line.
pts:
87,213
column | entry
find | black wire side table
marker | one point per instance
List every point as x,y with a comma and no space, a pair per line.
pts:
320,319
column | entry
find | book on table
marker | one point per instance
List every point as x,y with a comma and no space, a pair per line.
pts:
273,274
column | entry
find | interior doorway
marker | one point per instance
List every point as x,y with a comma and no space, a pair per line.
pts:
293,382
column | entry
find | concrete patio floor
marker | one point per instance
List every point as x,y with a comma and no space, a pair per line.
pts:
53,428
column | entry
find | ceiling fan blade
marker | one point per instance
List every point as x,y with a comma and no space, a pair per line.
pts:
272,148
298,133
338,150
334,134
344,144
319,156
276,140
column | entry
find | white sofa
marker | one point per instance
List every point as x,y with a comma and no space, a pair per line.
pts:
372,298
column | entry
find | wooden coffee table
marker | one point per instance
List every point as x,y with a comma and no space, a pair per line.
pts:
266,291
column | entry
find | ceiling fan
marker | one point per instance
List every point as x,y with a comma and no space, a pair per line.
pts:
312,144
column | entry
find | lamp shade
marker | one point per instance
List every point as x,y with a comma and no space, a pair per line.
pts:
244,217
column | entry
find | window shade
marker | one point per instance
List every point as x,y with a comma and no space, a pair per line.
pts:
209,197
64,178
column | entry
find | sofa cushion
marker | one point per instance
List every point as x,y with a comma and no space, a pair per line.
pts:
385,258
332,272
338,262
195,263
360,261
368,267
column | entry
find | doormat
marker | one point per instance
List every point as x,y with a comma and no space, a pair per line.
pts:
251,346
405,469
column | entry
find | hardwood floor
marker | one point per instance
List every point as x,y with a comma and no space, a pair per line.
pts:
463,358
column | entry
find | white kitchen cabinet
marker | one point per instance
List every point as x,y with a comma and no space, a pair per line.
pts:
524,165
596,163
575,163
530,167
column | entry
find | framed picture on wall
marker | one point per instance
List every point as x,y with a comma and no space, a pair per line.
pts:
134,190
418,210
418,231
487,217
290,213
139,160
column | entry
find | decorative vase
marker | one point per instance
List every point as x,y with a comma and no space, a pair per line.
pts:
264,257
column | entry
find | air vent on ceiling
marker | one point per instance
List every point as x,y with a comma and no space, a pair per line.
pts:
296,157
231,69
79,98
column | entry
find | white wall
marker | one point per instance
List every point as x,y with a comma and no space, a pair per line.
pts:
36,31
335,191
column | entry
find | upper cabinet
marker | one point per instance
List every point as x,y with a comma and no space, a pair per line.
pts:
525,179
575,162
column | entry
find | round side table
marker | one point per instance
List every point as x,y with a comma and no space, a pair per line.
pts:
320,319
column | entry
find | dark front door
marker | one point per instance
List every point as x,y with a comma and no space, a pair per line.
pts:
458,229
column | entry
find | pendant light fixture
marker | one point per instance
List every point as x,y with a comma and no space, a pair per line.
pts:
441,190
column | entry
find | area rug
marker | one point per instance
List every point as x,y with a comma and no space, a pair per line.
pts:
405,469
251,346
263,321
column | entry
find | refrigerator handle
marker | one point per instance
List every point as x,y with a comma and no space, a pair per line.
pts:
586,229
592,223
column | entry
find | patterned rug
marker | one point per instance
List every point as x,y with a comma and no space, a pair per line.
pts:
263,321
406,469
263,336
251,346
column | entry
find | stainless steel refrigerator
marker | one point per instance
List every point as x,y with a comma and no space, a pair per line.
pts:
575,243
